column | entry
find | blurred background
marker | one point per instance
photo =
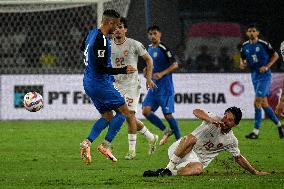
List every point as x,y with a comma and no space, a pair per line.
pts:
40,47
205,35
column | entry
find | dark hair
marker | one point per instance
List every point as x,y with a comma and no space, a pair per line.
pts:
154,27
124,22
111,13
253,25
236,112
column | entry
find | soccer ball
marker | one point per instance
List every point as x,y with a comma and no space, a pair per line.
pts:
33,101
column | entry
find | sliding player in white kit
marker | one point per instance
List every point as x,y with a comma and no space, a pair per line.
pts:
125,51
194,152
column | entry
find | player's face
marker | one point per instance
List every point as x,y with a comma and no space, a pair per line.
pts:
120,31
252,33
113,24
229,120
154,36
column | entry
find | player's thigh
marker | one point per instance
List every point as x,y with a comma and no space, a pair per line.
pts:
132,99
150,101
262,87
167,104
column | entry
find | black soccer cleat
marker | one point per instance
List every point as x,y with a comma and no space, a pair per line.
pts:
280,131
164,172
150,173
252,135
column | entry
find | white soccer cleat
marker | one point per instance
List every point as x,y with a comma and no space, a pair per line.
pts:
130,155
153,145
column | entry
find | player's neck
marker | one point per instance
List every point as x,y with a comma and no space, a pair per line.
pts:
119,41
254,40
155,44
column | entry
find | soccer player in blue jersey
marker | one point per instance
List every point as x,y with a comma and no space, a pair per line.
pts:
98,85
259,56
163,95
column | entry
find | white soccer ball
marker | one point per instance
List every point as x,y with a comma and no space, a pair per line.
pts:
33,101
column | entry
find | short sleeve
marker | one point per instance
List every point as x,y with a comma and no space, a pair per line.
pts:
233,148
140,49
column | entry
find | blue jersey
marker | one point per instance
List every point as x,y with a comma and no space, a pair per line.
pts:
162,58
97,80
97,51
257,55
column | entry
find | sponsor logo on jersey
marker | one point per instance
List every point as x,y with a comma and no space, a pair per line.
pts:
126,53
101,53
155,54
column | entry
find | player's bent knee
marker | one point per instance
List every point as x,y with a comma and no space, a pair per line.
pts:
146,112
168,116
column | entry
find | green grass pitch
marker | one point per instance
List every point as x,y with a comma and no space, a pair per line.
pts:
45,154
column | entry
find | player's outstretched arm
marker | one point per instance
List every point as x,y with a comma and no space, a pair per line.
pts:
201,114
247,166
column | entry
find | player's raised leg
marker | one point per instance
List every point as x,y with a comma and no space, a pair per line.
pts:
85,145
114,127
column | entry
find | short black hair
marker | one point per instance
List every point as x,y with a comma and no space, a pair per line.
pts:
152,28
253,25
111,13
123,20
236,112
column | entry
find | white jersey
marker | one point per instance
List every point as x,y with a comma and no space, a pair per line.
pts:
210,142
125,54
282,49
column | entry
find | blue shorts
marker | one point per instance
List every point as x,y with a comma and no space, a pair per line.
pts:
261,87
105,97
154,101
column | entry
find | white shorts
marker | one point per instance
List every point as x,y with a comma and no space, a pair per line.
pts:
188,158
131,96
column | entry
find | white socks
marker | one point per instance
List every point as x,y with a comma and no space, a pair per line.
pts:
279,124
132,142
144,131
173,161
255,131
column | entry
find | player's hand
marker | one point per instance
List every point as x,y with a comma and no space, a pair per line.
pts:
261,173
150,84
130,69
218,124
263,69
280,109
157,75
243,65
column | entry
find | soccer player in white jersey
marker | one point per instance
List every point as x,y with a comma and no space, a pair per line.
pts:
192,153
125,51
280,107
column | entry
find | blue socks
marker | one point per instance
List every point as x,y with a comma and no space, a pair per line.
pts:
100,125
174,126
271,114
155,120
257,118
114,126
